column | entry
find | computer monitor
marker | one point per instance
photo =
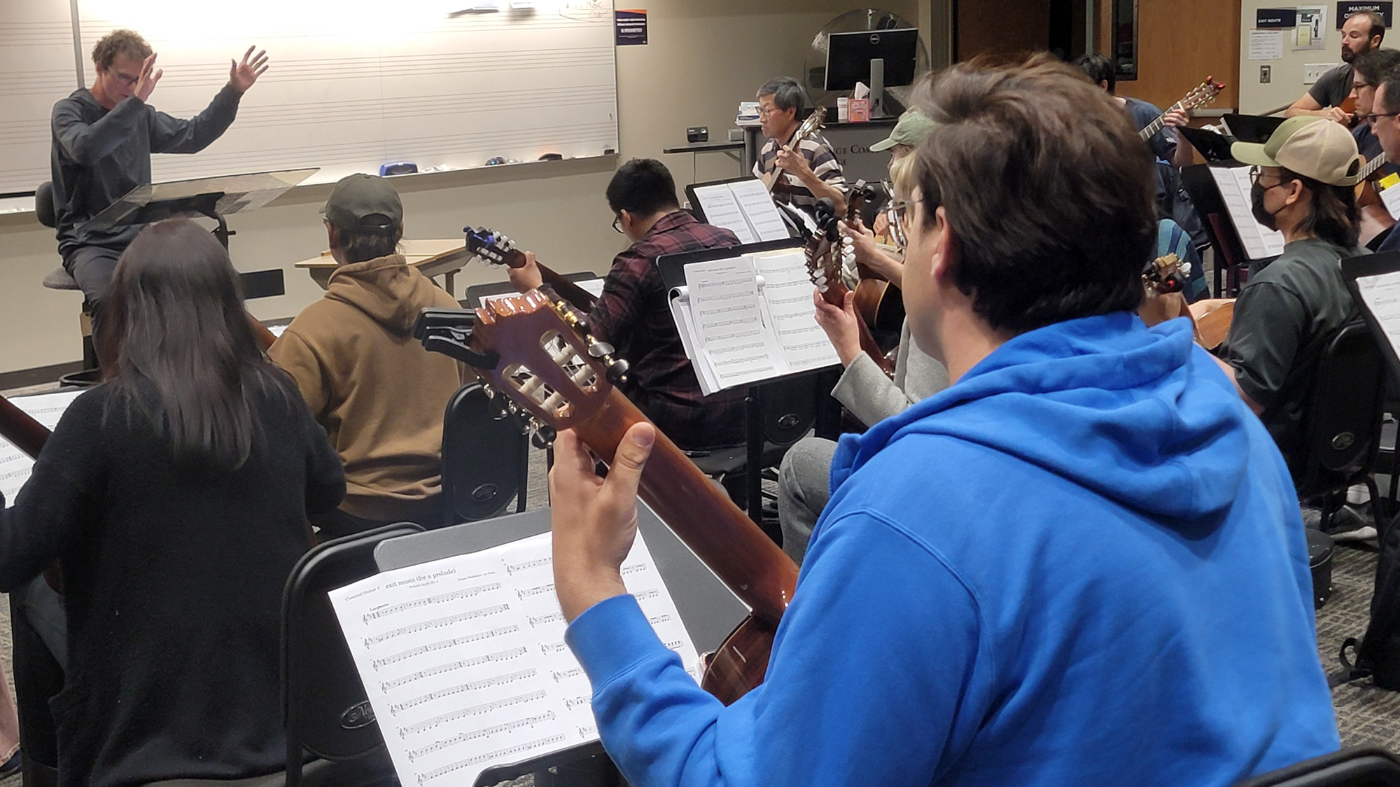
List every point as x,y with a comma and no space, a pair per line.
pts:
848,57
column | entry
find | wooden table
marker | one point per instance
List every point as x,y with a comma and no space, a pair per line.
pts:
431,258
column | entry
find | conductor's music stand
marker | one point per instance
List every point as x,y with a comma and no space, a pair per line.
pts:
213,198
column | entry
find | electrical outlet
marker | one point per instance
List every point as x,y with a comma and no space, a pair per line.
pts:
1266,74
1314,71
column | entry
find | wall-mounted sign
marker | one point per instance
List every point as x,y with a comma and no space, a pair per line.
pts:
631,27
1345,10
1276,17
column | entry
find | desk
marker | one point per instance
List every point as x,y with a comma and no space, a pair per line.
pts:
430,257
696,148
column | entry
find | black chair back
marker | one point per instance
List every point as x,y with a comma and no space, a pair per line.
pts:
1342,426
43,205
326,708
1361,766
789,409
485,457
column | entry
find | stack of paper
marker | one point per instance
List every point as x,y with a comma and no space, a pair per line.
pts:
464,659
15,465
743,207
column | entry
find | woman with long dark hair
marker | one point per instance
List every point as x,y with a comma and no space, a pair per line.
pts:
175,497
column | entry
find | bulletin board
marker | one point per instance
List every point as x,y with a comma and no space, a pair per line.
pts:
352,84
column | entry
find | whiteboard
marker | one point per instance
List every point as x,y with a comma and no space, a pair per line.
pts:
36,57
354,84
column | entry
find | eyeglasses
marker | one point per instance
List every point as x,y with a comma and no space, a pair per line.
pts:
1372,118
1255,175
1360,85
765,112
617,224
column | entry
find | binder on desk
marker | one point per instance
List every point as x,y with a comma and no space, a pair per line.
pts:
746,315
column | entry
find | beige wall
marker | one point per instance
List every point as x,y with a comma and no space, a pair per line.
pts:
702,59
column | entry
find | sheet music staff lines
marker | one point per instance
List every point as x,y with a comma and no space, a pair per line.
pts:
436,623
460,738
498,680
488,757
504,655
456,595
488,707
447,643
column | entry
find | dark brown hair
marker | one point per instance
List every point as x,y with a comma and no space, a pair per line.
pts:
120,42
186,359
1047,189
1333,215
1377,22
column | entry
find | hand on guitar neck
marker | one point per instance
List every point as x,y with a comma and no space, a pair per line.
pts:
525,272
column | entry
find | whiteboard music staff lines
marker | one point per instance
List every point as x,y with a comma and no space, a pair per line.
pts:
36,59
455,699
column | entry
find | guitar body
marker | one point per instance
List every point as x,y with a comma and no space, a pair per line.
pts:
741,663
880,304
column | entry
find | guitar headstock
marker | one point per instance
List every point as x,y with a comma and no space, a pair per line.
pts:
493,247
810,126
1202,94
534,350
855,200
823,265
1166,274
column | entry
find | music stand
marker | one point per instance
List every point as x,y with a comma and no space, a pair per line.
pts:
1205,195
709,610
1251,128
1355,269
214,198
672,270
1214,147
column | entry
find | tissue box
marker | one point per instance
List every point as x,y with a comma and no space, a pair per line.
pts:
858,109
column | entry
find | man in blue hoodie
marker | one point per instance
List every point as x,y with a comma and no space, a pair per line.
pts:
1081,563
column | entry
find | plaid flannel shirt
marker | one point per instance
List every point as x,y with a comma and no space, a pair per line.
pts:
634,316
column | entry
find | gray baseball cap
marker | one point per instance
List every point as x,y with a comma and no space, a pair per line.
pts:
363,201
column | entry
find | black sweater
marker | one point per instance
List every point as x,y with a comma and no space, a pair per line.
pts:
173,586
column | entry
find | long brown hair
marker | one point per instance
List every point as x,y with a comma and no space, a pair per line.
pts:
185,355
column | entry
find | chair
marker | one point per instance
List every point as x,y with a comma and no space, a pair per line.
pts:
59,278
1342,424
1360,766
788,410
485,457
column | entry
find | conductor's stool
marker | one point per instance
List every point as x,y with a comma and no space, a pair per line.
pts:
59,278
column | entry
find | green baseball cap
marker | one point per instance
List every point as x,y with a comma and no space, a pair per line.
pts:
911,129
1311,146
365,202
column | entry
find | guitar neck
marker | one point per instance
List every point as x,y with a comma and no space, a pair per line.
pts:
836,296
578,297
745,559
264,337
1371,166
17,426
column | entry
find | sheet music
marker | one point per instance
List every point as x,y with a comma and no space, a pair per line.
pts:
1259,241
1381,296
679,301
728,320
787,290
721,208
15,465
759,209
593,287
744,207
464,659
1390,198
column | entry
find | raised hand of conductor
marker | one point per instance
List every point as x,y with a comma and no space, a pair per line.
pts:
242,75
150,75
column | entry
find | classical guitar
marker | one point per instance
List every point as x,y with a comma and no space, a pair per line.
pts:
1199,96
811,125
497,249
538,353
878,302
1365,185
29,436
824,268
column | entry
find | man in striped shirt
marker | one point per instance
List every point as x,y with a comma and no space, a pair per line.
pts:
809,173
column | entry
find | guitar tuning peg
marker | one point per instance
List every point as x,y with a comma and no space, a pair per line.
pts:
544,436
617,372
599,350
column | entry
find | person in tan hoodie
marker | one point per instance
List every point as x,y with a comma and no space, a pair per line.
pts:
379,395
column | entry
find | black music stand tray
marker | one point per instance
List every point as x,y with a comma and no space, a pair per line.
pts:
709,610
214,198
672,270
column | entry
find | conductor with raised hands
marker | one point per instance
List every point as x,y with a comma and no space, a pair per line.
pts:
103,138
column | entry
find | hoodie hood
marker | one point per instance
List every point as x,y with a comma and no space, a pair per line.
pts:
1140,416
387,289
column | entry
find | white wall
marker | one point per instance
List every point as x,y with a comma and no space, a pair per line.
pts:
703,58
1286,83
